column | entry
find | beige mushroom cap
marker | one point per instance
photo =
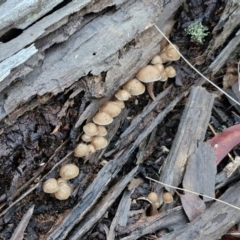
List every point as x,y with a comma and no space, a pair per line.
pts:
164,76
122,95
102,131
157,204
160,67
170,71
172,54
81,150
156,59
50,185
68,171
170,46
120,103
110,108
153,197
64,191
86,138
92,149
167,197
164,58
102,118
134,87
90,129
99,142
148,74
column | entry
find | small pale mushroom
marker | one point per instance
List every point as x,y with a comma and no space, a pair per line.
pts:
120,103
110,108
99,142
148,75
90,129
92,149
102,119
170,71
134,87
69,171
63,192
102,131
156,59
171,53
81,150
50,185
122,95
86,138
153,197
167,197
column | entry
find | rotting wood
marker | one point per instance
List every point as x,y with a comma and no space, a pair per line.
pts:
191,130
173,220
101,208
201,171
121,215
83,47
214,221
104,177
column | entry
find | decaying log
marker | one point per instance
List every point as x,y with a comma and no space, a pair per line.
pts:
191,130
70,43
214,221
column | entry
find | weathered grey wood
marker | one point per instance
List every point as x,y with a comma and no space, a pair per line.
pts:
13,62
201,171
214,221
121,215
21,14
172,220
90,47
191,130
100,209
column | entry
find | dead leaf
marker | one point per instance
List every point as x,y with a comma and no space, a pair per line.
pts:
134,183
192,205
225,141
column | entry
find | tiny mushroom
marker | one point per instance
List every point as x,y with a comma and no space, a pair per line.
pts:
134,87
170,71
50,185
92,149
102,119
153,197
64,191
90,129
68,171
157,204
156,59
167,197
99,142
81,150
86,138
122,95
148,74
102,131
110,108
120,103
172,54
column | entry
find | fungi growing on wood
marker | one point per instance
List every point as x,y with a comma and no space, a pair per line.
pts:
68,171
50,185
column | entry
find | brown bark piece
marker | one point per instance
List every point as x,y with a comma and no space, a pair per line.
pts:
214,221
201,171
191,130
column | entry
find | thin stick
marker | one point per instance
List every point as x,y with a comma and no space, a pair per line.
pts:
196,69
186,190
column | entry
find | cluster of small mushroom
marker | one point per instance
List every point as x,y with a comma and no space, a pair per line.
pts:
60,187
95,132
166,198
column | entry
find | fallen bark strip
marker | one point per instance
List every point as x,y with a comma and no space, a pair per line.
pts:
173,220
100,209
121,215
191,130
107,173
214,221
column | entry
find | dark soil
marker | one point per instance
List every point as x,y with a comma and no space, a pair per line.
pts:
30,148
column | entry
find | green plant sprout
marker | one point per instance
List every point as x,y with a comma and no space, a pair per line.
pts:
197,31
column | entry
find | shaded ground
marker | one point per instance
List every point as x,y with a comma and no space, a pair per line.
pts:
30,148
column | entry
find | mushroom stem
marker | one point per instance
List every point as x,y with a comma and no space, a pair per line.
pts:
150,90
